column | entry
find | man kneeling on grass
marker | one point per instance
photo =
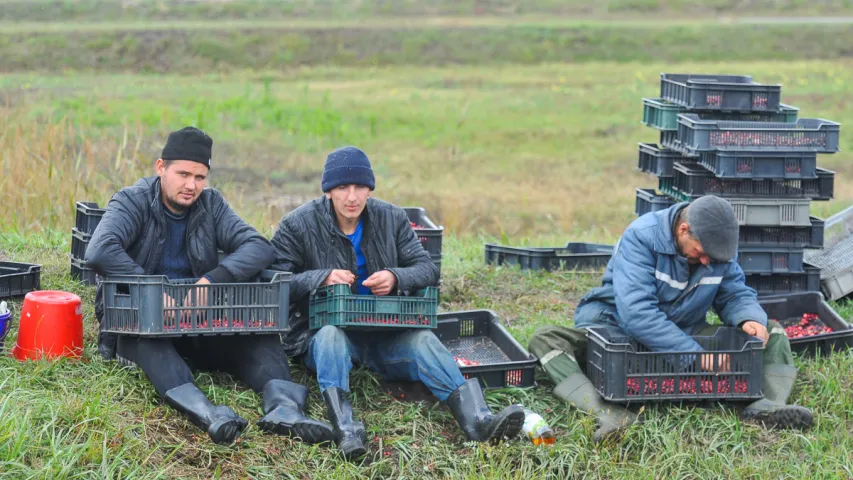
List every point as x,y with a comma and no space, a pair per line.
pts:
169,224
347,238
668,269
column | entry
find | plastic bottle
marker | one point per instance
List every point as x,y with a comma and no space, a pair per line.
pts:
536,429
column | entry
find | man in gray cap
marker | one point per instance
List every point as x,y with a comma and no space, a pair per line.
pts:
668,269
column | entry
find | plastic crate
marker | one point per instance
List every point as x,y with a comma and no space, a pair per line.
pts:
650,201
766,284
430,236
17,279
770,259
574,256
789,309
624,370
695,181
719,92
88,217
663,115
337,305
669,140
658,161
805,237
136,305
771,212
836,264
477,335
805,135
79,243
760,165
81,272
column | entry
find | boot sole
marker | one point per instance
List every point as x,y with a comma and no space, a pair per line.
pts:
508,428
794,418
226,432
307,432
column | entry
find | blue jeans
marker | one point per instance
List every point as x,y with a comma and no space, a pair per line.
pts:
413,355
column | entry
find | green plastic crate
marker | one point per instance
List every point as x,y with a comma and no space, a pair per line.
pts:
663,115
337,305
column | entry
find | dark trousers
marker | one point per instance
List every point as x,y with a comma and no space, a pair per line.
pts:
169,362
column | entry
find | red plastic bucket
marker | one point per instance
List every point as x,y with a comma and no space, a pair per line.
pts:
51,326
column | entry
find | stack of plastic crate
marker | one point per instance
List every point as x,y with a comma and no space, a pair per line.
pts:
87,220
726,135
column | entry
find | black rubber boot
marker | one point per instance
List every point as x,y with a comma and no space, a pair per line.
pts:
220,422
612,419
773,410
284,406
474,417
349,433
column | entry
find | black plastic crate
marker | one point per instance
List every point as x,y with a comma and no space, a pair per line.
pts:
767,284
658,161
17,279
478,336
139,305
805,135
805,237
88,217
427,231
770,259
574,256
80,271
669,140
719,92
624,370
79,243
650,201
789,309
760,165
663,115
695,181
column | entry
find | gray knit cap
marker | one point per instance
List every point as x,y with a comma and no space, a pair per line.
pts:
714,223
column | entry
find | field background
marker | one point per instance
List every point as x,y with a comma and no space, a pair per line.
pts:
514,122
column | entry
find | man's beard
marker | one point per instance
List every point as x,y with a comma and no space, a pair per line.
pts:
176,207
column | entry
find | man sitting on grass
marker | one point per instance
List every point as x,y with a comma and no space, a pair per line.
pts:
668,269
347,238
171,225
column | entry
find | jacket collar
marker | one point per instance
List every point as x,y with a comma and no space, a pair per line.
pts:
664,240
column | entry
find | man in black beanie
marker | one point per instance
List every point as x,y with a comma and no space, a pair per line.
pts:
171,225
346,237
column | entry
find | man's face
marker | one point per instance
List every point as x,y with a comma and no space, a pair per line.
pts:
689,247
181,183
349,200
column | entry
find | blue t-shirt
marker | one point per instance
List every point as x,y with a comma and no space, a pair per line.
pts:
355,238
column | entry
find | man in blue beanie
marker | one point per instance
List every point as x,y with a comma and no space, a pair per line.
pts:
669,268
346,237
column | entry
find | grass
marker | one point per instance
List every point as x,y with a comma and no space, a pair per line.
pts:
520,154
190,48
100,10
93,419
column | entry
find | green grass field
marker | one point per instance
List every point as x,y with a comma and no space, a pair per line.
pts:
515,122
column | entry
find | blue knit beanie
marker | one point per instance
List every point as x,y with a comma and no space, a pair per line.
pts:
347,166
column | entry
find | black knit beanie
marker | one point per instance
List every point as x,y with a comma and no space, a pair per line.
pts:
188,143
347,166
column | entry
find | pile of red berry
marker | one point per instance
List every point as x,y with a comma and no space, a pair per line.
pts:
685,386
383,320
416,226
464,362
714,99
218,323
735,138
808,326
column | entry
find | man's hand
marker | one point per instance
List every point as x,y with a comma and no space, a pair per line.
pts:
755,329
381,282
196,297
339,277
723,363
